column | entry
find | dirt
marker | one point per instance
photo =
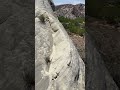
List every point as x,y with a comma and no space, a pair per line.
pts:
79,42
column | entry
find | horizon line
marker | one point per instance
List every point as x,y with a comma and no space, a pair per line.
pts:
68,3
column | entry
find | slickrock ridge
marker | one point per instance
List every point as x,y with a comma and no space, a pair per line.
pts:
58,65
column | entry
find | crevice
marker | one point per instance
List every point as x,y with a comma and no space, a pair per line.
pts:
42,19
48,62
77,76
57,74
69,63
55,30
52,4
4,19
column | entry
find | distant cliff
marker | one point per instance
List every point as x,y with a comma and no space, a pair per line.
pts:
70,11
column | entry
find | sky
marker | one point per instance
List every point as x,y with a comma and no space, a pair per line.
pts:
58,2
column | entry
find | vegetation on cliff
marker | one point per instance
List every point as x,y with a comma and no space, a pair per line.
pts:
73,25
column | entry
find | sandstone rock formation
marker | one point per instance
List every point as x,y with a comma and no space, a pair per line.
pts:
58,65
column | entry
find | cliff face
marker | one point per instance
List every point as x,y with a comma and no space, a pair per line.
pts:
58,65
70,11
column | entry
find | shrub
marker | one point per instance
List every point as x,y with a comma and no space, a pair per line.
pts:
73,25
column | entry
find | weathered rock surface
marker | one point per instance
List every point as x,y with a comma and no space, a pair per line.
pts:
102,55
97,75
58,65
107,39
17,45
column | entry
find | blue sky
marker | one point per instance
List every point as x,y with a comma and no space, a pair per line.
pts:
58,2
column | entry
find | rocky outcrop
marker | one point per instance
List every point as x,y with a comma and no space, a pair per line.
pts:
58,65
70,11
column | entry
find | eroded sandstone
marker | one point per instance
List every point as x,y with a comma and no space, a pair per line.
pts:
58,65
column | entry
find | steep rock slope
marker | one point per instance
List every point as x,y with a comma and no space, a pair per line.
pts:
70,11
58,65
97,75
102,55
